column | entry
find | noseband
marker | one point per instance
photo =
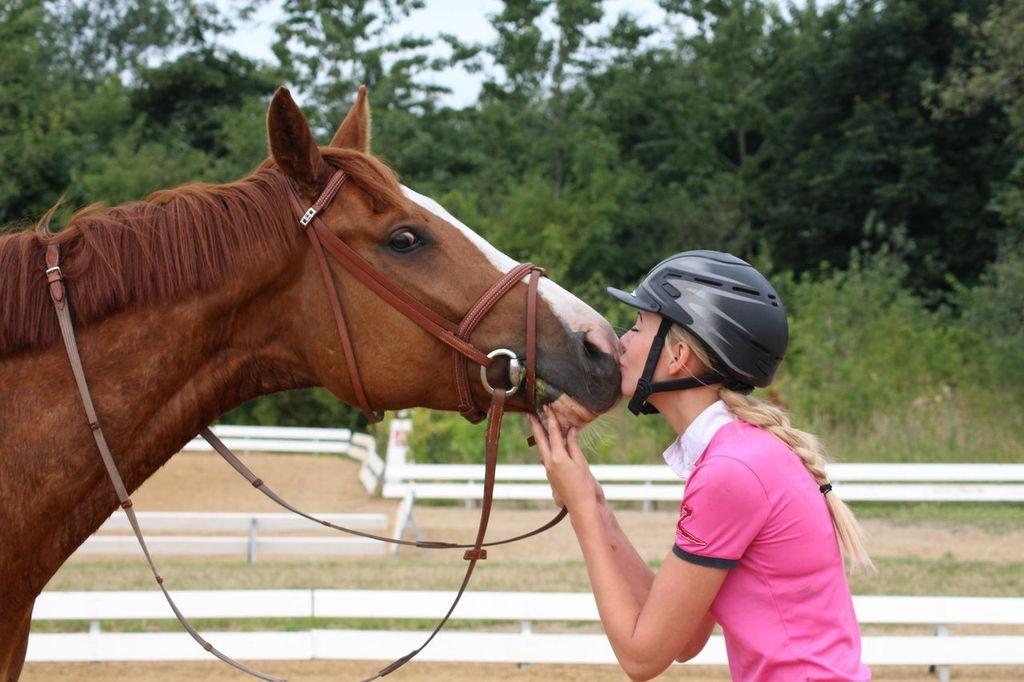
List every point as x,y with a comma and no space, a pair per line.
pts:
457,336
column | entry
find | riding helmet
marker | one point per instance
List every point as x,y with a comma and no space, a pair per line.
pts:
727,304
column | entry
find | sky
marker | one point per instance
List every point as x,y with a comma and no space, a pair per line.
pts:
464,18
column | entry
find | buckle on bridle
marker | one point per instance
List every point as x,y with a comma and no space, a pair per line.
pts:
307,217
516,372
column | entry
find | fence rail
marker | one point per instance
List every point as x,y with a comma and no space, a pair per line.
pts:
460,646
252,544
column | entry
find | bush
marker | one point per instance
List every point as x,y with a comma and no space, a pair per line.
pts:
992,315
862,343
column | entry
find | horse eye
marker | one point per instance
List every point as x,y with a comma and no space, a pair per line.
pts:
404,240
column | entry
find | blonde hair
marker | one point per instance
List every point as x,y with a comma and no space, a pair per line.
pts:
807,447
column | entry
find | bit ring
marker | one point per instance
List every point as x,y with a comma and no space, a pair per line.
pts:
516,373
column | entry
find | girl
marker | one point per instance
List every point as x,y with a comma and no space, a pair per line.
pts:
757,544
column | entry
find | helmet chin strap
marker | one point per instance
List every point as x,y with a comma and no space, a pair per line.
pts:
645,387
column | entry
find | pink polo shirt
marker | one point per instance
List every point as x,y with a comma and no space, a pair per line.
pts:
785,606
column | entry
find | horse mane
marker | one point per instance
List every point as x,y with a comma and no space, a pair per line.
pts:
174,243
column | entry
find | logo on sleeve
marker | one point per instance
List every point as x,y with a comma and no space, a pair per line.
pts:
686,512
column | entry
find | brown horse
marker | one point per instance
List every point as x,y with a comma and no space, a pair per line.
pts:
202,297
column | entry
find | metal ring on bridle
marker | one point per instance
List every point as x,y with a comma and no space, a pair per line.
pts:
515,370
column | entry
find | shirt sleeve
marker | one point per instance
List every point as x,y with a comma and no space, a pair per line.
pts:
724,508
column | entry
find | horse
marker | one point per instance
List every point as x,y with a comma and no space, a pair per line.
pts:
202,297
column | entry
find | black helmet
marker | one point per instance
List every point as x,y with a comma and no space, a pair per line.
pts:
724,302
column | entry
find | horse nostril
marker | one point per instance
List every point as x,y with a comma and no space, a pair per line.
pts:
591,348
599,341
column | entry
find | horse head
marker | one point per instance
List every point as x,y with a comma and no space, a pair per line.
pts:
413,241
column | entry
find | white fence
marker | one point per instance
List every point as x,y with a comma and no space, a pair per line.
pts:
278,439
396,478
250,545
905,482
525,646
654,483
359,446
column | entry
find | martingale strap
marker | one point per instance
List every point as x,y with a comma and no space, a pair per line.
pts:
232,459
58,295
477,552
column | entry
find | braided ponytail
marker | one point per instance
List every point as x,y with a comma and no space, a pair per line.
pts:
806,446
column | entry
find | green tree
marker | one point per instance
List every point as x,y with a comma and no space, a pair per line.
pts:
851,135
987,75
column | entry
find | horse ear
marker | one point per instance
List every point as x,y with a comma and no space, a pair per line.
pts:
354,131
291,142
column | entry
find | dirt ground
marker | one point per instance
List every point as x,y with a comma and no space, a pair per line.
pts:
324,671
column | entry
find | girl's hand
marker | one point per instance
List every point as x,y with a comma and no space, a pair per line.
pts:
572,483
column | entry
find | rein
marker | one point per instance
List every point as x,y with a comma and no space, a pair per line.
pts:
457,336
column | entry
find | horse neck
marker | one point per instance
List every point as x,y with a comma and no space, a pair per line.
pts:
157,375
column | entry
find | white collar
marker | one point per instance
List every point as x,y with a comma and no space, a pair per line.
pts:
685,450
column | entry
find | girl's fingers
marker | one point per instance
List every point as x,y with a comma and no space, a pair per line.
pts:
540,433
555,440
541,436
573,441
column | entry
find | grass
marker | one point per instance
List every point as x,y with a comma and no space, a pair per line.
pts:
992,518
944,576
422,571
984,427
984,516
940,576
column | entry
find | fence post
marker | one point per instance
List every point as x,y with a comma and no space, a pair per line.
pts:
941,670
398,440
252,540
525,628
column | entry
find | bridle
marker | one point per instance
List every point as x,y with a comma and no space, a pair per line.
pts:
457,336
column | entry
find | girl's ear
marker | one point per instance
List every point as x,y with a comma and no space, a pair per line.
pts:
679,356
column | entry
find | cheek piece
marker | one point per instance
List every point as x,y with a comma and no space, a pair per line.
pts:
645,387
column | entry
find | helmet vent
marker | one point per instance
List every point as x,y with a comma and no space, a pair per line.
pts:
745,290
712,282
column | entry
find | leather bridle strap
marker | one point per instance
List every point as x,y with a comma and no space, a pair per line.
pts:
58,295
476,553
467,408
390,293
531,341
346,340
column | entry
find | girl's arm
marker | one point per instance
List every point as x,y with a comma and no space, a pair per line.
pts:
629,562
671,622
640,576
649,619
